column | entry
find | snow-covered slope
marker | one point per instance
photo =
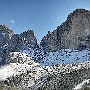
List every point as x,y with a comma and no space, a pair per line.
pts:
21,65
66,56
14,70
33,72
63,61
81,85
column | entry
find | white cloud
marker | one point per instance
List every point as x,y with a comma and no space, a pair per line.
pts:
12,21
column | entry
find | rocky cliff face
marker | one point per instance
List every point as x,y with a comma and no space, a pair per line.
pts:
10,42
22,41
5,36
29,39
74,33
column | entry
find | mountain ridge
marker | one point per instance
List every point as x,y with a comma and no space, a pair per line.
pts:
59,62
74,33
70,34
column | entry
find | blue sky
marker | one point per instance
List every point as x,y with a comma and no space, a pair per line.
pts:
39,15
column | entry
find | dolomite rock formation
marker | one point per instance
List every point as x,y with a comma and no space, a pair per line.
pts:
10,42
5,35
74,33
29,39
22,41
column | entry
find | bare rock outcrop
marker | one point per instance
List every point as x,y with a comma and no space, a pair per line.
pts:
5,35
22,41
74,33
10,42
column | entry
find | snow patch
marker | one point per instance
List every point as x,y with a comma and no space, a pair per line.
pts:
79,86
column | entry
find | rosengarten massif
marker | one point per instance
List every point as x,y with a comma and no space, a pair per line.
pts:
60,62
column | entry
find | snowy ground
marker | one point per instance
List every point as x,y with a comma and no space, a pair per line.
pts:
14,69
17,68
68,57
80,85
